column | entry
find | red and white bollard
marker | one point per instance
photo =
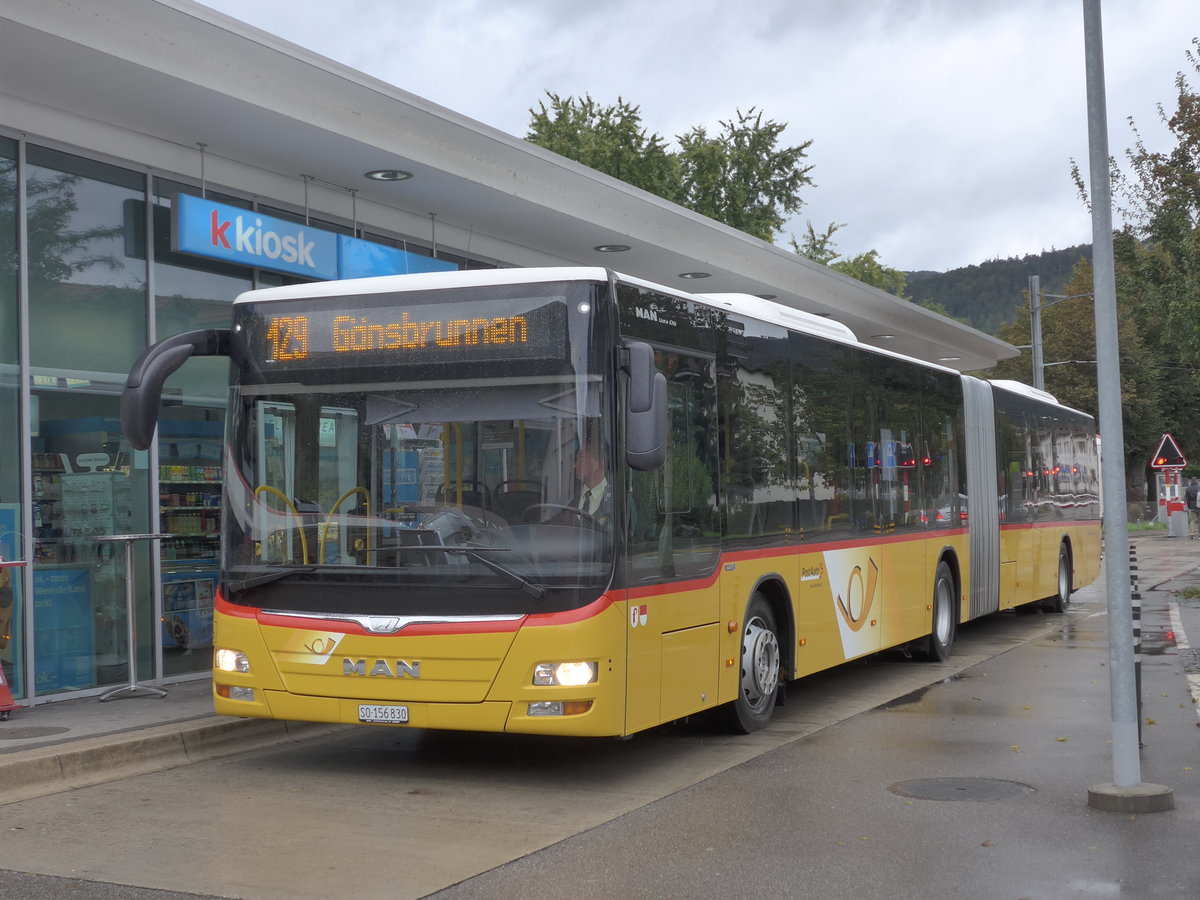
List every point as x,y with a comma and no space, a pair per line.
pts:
7,705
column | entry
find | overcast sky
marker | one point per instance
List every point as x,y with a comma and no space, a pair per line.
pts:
942,130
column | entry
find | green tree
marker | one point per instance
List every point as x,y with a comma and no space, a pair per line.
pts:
866,267
609,139
820,248
1157,256
740,176
1157,260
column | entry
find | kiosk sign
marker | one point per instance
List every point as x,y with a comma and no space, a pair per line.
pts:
248,238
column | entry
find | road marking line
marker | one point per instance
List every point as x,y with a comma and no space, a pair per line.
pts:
1181,642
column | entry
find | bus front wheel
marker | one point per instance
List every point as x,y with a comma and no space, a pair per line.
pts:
758,679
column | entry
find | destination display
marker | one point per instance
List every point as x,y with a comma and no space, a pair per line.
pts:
310,334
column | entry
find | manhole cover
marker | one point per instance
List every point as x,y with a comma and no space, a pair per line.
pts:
8,733
974,789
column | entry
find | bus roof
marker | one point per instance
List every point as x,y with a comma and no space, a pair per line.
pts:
745,304
424,281
778,313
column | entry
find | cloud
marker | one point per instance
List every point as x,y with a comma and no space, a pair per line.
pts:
942,131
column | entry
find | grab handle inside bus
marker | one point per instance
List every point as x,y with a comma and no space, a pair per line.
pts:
144,386
645,410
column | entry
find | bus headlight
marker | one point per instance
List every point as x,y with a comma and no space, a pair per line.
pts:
231,661
566,674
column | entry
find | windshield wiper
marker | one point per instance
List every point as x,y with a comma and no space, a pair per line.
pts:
268,577
533,589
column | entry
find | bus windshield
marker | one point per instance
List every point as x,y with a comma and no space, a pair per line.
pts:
400,476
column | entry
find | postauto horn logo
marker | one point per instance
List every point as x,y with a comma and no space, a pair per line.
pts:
242,236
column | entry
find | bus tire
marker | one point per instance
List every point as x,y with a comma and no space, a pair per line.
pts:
942,626
758,678
1060,601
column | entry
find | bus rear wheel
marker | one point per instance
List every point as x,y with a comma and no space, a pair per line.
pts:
758,679
942,628
1060,601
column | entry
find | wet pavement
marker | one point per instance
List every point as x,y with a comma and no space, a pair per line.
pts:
973,786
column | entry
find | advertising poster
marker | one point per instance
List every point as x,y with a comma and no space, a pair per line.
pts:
188,609
64,629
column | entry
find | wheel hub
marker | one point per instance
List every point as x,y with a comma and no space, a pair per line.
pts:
762,671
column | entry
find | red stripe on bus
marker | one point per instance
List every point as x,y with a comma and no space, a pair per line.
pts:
570,616
1028,526
788,552
225,608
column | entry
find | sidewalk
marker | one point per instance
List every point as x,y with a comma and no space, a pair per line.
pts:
62,745
74,743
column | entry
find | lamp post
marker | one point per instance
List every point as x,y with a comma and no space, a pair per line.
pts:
1126,793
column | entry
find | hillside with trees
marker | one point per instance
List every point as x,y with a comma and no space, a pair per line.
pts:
989,295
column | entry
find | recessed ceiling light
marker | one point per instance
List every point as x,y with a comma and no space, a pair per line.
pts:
882,337
611,248
949,358
389,175
695,274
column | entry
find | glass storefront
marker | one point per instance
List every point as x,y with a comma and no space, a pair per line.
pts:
101,280
11,540
190,293
87,320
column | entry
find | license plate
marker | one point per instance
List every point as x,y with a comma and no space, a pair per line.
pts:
382,715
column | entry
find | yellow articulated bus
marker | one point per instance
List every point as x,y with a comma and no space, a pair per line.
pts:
565,501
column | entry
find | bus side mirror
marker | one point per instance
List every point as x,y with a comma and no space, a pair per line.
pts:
645,410
144,386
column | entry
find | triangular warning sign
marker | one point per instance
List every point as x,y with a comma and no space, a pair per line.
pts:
1168,455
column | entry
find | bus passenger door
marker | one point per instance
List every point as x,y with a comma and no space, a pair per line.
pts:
673,541
854,561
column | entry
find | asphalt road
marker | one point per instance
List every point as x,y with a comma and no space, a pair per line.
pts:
885,778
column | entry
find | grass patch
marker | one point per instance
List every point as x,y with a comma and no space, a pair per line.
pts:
1189,593
1148,526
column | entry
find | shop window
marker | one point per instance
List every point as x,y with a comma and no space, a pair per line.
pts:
11,538
87,268
86,485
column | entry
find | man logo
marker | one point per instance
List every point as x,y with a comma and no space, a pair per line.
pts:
400,669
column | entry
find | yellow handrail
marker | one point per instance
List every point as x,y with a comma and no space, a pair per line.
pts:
267,489
333,512
452,438
521,449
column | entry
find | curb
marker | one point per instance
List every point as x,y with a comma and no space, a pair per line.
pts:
37,773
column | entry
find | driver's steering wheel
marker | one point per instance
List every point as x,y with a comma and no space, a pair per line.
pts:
573,514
